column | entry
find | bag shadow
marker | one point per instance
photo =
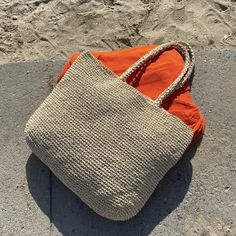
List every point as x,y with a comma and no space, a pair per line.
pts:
72,217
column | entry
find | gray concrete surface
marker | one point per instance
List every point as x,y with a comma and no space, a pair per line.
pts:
197,197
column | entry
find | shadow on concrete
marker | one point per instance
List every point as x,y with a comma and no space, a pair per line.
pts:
72,217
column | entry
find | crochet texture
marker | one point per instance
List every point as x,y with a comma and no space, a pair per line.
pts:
106,141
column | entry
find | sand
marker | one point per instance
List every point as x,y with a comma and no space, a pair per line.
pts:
53,29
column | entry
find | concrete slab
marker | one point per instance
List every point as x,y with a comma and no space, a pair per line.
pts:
22,88
197,197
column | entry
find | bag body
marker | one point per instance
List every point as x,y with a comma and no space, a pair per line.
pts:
106,141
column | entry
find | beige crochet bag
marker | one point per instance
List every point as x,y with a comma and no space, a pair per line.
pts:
106,141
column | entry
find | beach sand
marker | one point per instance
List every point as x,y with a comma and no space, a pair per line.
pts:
54,29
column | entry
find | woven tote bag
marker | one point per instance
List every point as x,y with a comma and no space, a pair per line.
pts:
106,141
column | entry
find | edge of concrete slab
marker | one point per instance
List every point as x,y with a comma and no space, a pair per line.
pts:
196,197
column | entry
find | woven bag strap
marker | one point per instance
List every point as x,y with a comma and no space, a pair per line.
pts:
188,55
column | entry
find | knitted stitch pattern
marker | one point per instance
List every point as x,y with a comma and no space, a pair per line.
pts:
104,140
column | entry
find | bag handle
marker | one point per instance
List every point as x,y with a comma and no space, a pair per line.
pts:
188,55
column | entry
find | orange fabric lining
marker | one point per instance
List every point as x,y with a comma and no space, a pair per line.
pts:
152,79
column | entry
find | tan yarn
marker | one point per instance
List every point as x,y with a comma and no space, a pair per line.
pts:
106,141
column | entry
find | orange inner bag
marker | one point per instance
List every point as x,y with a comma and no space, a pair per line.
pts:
152,79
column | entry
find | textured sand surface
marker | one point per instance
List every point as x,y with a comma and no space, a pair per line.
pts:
50,29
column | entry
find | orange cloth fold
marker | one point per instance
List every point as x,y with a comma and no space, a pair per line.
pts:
153,79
